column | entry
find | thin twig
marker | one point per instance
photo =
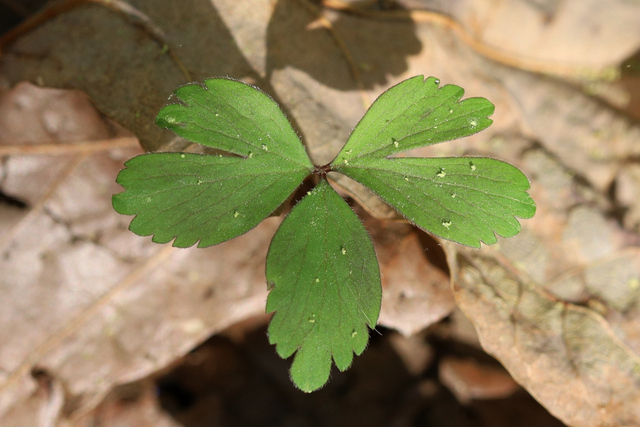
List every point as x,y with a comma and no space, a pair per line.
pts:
69,148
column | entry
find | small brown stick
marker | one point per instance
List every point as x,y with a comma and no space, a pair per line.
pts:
69,148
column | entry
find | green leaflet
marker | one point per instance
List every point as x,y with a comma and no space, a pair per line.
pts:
462,199
325,287
198,197
234,117
412,114
209,199
466,200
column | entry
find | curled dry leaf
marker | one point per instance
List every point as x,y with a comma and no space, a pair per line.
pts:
567,356
557,305
611,286
590,139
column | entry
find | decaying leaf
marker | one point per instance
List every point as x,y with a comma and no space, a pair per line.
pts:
82,300
572,264
567,356
557,303
416,291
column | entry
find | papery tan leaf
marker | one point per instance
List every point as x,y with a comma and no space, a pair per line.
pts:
611,285
83,299
568,357
415,292
156,45
324,67
557,305
547,31
592,139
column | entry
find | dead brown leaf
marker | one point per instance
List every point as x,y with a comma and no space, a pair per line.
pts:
557,304
535,36
567,356
85,300
416,291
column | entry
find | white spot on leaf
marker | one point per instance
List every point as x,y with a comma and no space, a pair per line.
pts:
193,326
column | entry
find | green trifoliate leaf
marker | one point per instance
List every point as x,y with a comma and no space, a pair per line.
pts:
325,287
205,198
321,267
466,200
412,114
463,199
